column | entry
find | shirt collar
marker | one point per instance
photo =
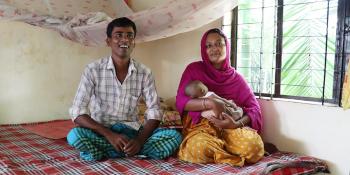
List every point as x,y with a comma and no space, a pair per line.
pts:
110,65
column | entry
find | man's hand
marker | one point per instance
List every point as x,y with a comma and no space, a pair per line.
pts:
118,141
132,147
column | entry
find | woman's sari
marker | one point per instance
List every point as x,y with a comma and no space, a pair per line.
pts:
203,143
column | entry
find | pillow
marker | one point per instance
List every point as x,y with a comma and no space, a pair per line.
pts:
171,118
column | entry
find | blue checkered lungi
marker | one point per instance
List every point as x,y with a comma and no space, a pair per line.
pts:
92,146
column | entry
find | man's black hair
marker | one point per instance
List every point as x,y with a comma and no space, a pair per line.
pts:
120,22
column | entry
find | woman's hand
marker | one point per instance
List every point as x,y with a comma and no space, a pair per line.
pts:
226,122
217,106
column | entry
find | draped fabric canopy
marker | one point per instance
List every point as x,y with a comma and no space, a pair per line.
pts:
69,8
85,21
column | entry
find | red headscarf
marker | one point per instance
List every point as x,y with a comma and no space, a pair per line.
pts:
225,82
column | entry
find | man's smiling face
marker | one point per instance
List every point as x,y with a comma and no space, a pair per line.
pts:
122,41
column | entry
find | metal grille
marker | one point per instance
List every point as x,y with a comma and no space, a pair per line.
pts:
289,48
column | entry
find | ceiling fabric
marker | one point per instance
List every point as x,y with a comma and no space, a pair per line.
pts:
85,21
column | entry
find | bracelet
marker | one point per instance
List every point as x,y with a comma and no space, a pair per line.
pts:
240,121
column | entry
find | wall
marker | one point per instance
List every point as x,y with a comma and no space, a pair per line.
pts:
39,72
168,57
320,131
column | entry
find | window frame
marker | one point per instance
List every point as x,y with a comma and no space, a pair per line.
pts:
343,11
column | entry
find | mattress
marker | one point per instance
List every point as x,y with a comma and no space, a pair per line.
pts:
23,152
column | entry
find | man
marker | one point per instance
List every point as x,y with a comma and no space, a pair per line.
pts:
106,105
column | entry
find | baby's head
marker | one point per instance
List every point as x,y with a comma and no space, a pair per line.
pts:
195,89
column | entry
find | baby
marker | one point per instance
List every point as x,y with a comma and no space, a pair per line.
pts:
196,89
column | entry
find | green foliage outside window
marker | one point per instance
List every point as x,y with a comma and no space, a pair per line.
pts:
308,48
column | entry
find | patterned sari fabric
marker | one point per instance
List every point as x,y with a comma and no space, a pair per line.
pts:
204,143
226,82
93,146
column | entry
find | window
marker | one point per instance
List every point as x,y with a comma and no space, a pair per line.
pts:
288,48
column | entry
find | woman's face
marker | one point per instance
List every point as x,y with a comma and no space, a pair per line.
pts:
216,49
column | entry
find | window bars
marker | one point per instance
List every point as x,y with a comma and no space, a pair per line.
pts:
289,48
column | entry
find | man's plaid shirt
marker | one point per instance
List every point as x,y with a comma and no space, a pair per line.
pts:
110,101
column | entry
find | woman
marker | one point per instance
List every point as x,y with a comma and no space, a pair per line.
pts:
219,139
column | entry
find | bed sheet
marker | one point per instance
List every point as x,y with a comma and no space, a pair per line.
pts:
23,152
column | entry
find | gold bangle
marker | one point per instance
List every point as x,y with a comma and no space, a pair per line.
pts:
240,121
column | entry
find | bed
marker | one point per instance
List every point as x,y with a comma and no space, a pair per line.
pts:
24,152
